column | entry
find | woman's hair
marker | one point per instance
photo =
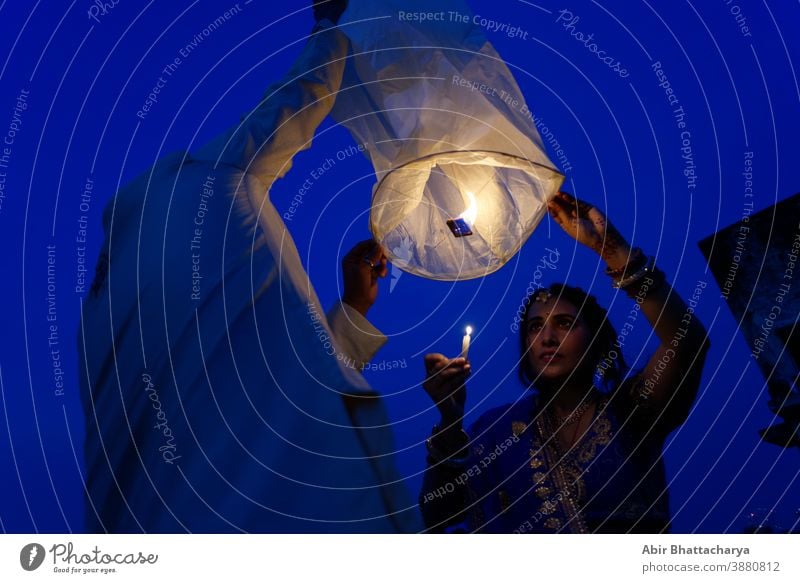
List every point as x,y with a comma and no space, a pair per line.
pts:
604,353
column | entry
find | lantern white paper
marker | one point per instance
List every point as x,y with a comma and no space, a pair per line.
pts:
449,135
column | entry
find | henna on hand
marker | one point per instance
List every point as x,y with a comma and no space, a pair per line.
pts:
614,242
589,226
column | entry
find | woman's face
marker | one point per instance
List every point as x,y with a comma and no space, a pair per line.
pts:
557,339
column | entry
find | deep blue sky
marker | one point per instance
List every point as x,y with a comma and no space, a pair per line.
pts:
87,79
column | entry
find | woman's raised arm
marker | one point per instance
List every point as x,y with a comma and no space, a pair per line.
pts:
668,383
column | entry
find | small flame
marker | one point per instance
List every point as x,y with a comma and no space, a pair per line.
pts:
471,212
469,330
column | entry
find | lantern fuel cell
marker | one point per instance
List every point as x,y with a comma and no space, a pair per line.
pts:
459,227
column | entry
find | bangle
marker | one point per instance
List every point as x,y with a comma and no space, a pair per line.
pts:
635,261
646,285
649,267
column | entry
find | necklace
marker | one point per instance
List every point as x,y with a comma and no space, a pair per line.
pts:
575,415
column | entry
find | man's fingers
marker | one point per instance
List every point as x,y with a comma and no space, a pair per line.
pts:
383,269
376,252
359,251
368,254
377,256
362,248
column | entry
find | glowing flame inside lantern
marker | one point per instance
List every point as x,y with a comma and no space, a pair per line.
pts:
471,212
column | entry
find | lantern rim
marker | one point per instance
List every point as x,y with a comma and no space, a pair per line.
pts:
519,161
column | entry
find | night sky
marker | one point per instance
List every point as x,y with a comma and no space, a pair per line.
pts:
697,94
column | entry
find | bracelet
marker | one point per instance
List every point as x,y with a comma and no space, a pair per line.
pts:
649,267
646,285
635,261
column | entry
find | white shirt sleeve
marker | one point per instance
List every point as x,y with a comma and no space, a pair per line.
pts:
283,124
357,338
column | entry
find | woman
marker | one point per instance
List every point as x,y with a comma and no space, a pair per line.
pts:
582,451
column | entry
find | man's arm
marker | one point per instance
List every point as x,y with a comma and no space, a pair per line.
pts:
357,338
283,124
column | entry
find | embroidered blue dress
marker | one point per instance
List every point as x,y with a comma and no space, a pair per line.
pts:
517,480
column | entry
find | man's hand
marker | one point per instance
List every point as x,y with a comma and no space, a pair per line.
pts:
361,268
330,9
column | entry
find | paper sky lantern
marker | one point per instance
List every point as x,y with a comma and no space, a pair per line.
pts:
462,176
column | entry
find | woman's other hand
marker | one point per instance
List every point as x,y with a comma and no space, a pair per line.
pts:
587,225
445,384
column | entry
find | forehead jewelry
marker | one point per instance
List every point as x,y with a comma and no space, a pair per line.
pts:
542,296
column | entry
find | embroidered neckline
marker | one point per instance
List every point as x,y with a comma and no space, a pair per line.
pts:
564,469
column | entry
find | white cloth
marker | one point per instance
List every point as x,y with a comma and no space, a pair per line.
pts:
449,134
357,337
212,405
